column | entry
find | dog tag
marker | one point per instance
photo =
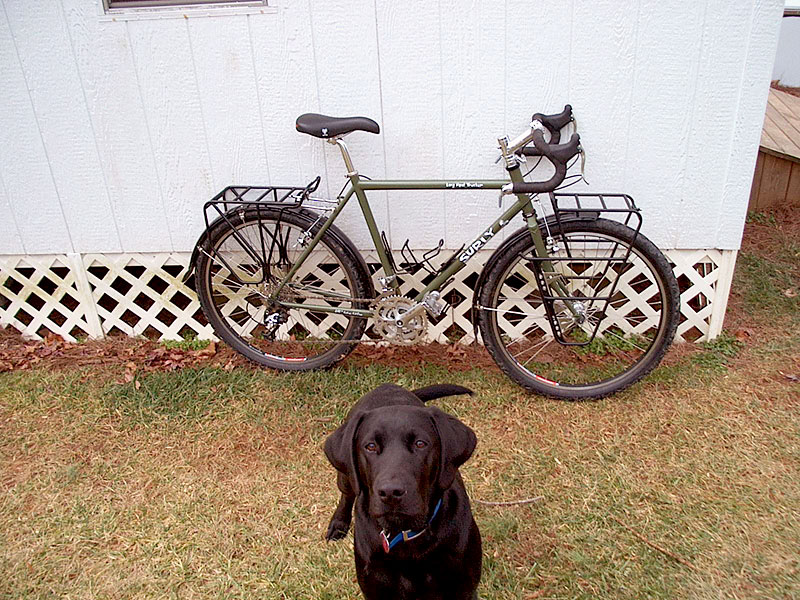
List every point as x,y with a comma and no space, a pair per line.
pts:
385,542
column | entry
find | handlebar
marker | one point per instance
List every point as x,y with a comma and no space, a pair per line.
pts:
554,124
558,154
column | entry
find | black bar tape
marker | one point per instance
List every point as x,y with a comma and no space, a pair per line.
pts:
555,122
537,187
558,154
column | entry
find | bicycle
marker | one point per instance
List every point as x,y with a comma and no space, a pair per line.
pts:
575,304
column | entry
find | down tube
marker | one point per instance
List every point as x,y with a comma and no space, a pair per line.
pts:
472,248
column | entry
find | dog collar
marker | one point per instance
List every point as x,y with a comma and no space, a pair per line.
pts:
407,535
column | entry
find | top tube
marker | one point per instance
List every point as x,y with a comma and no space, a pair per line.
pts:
432,184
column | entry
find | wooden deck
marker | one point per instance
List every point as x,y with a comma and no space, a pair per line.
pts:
781,133
776,181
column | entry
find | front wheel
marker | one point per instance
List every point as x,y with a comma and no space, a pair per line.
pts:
613,336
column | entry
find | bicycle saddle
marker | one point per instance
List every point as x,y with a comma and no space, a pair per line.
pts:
322,126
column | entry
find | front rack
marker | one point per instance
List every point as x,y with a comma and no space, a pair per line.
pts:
571,271
620,207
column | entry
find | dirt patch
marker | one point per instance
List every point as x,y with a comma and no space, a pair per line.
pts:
767,237
53,353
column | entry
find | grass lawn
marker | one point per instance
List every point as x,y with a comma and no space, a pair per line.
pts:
209,481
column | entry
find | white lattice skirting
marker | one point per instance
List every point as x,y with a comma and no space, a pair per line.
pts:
92,295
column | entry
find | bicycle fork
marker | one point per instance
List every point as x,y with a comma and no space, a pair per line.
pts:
552,285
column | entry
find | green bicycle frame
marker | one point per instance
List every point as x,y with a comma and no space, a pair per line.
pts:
359,187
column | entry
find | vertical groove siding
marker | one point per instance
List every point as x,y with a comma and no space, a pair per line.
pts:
114,133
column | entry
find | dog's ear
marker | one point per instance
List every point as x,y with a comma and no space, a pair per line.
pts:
340,449
457,442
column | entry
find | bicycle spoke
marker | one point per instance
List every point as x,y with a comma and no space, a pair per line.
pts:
249,300
605,330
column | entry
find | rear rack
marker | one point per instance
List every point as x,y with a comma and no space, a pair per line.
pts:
234,199
235,196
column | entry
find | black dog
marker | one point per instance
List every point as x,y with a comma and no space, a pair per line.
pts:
397,460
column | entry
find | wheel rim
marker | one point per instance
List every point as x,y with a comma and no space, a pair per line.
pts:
239,293
628,328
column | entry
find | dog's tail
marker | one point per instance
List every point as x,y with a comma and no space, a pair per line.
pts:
440,390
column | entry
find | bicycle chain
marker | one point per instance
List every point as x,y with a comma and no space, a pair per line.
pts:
374,304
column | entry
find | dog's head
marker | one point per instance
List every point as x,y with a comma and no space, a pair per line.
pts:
402,458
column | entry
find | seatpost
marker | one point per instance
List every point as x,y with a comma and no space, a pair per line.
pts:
351,171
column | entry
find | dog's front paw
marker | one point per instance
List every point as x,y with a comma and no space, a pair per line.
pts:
337,530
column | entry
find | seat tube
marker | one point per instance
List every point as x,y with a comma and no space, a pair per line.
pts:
366,210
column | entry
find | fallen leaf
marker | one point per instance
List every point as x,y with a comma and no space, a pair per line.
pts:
455,350
790,377
208,351
51,339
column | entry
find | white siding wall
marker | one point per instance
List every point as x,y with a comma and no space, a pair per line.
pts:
787,60
114,133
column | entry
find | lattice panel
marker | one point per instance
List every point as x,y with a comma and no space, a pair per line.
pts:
142,294
41,294
698,273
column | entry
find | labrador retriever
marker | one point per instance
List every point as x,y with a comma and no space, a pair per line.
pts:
397,463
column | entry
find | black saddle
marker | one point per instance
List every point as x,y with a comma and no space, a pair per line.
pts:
324,127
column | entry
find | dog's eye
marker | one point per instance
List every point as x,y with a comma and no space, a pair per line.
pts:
420,443
371,447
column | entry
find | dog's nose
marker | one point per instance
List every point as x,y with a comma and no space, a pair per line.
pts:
391,492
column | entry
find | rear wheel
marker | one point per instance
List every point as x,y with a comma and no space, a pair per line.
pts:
238,272
606,347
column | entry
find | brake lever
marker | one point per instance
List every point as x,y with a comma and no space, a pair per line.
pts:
583,166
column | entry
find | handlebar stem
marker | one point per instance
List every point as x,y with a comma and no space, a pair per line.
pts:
511,160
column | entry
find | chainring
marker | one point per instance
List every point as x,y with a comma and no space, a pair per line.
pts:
387,310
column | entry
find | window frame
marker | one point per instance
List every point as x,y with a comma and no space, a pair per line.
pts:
113,10
123,4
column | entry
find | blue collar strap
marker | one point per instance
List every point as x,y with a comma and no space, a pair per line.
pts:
407,535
